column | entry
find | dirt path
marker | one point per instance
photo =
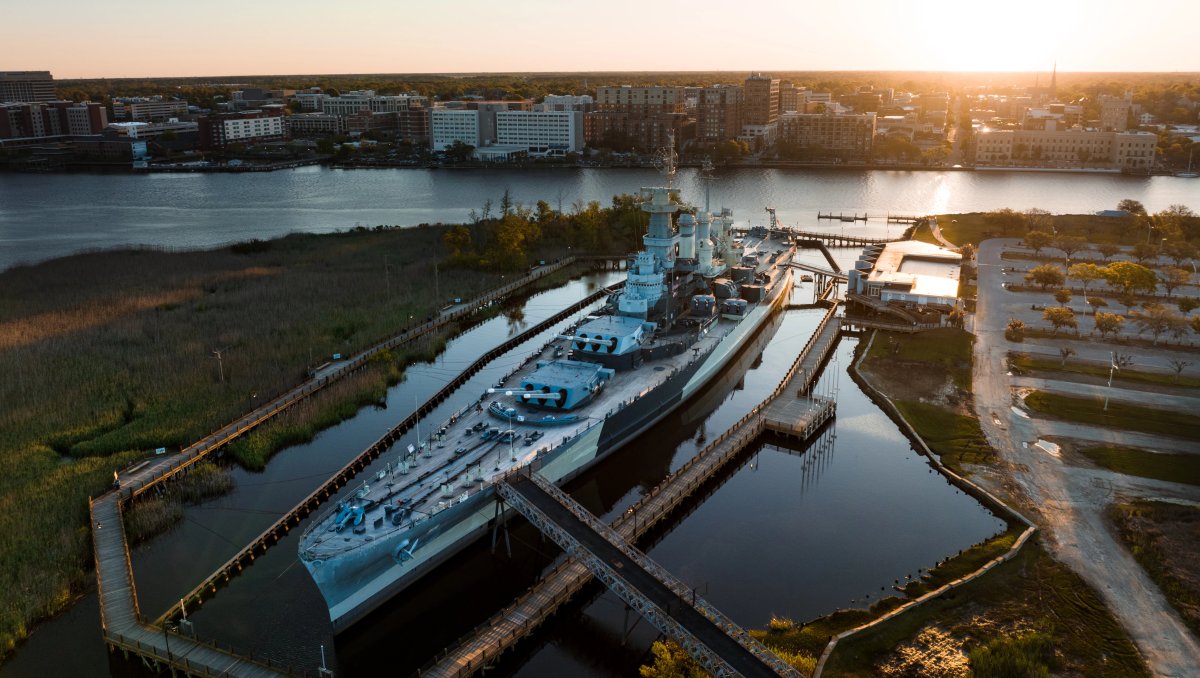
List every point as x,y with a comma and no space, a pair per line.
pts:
1071,502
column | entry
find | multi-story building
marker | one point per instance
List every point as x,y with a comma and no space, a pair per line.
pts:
448,126
566,102
370,121
636,117
309,99
641,100
1066,147
554,133
151,130
315,124
51,119
761,105
219,130
851,134
718,113
26,86
1114,111
366,100
148,109
791,97
413,125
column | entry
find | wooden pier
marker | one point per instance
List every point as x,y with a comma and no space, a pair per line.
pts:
890,218
158,645
292,518
482,647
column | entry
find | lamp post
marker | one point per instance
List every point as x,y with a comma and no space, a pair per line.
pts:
1111,368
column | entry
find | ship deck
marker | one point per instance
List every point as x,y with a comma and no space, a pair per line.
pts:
442,477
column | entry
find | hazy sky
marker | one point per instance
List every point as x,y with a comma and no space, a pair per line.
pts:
116,38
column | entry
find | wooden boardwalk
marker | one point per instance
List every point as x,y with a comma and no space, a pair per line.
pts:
120,617
482,647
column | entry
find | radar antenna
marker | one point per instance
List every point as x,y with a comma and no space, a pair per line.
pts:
665,161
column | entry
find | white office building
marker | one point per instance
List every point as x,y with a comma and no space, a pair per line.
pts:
541,133
450,125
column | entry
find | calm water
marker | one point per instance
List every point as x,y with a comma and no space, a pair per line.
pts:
44,216
796,533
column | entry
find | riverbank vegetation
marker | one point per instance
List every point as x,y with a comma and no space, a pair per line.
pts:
928,377
988,622
147,517
110,355
1165,540
1177,224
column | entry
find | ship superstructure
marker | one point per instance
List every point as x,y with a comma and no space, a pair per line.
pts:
692,298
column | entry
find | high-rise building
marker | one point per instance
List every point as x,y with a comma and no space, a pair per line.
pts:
448,126
640,118
541,132
1114,111
761,105
719,113
148,109
26,86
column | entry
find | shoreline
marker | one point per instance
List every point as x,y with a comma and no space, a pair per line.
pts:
854,166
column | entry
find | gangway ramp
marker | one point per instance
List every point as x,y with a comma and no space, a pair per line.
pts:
819,270
721,647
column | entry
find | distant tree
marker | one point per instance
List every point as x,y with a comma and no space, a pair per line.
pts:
1175,277
1045,275
1129,277
1060,317
1006,220
1179,366
1038,240
1066,352
1063,296
1108,323
956,316
1070,244
1156,319
459,151
1128,300
1107,250
1194,321
506,204
1180,251
1039,219
1086,274
1187,304
1143,251
457,240
1015,330
1096,302
1131,206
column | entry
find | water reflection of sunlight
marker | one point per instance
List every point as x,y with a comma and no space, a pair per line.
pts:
941,196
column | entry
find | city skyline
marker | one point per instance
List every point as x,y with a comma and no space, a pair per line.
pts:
226,38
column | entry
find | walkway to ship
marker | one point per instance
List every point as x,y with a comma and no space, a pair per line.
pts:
786,410
821,271
719,645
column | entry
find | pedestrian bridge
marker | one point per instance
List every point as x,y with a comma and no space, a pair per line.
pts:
721,647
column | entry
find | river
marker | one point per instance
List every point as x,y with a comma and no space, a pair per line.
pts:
790,532
45,216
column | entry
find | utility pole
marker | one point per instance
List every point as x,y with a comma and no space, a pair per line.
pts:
220,364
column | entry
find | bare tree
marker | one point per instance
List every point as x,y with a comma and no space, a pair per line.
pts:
1066,352
1179,366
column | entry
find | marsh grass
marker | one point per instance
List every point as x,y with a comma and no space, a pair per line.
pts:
108,356
153,515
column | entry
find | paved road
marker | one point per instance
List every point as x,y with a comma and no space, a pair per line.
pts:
1071,501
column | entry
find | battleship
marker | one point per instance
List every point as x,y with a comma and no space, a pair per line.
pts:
693,297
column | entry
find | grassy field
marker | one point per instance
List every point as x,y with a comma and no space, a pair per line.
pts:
1165,540
928,377
1031,594
1123,416
1024,363
109,355
975,227
1176,468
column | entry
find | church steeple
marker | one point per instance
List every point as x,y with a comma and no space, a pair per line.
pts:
1054,81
